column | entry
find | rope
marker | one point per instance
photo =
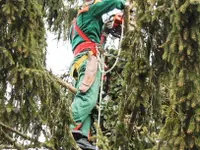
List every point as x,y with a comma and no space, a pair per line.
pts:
118,54
100,99
101,68
119,51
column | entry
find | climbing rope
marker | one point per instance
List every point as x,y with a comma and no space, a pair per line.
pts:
103,73
100,99
106,54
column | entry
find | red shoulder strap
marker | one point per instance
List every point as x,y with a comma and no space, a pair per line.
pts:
80,32
77,29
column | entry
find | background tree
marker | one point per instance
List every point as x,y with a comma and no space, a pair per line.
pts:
31,99
154,90
156,104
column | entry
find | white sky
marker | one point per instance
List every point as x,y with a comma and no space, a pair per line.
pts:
59,54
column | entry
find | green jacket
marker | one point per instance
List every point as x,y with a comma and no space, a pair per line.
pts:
90,22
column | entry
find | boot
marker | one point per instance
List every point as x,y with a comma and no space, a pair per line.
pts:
77,134
84,144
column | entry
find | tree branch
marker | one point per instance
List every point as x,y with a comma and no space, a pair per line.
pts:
23,136
66,85
126,17
11,141
63,83
15,131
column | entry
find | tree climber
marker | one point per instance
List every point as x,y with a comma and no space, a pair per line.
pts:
85,35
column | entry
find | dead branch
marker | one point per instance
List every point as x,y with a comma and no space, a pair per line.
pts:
126,18
66,85
18,146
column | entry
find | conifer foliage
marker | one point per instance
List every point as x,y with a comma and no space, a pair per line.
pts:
158,104
31,99
154,90
182,51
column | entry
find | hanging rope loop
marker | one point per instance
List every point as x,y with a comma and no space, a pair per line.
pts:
101,57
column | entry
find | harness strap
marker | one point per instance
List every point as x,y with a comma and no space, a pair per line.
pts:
85,9
75,67
102,39
85,45
80,32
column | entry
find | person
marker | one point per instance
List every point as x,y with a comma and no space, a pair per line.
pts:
85,34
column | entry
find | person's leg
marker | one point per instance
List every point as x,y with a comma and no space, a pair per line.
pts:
84,103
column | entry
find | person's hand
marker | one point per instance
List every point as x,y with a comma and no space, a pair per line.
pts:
110,23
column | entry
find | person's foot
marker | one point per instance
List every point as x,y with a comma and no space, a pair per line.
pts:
84,144
77,134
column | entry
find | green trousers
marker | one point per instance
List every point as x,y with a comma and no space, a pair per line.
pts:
83,103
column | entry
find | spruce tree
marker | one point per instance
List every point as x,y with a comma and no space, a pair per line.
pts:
31,98
181,51
158,98
154,89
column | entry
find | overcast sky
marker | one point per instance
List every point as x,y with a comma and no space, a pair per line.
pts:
59,54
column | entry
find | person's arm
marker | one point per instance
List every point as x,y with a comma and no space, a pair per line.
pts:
100,8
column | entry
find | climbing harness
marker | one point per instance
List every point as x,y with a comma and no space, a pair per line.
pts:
87,44
91,67
75,67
